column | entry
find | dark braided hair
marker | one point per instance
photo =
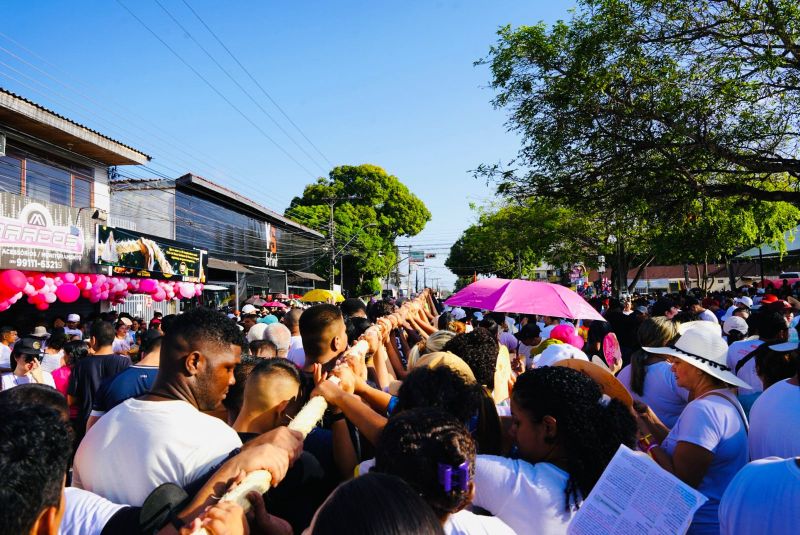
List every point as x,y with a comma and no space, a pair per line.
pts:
412,445
589,432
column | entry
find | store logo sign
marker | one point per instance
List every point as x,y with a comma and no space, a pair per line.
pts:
33,228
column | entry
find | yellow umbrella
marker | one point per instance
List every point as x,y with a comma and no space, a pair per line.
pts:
322,296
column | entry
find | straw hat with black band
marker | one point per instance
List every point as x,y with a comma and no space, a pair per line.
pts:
701,345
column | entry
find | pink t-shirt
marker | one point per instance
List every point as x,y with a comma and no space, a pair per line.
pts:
61,378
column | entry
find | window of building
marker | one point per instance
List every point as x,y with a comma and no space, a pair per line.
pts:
23,173
10,174
81,191
47,183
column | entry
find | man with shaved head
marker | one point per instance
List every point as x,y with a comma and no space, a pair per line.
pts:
163,436
279,336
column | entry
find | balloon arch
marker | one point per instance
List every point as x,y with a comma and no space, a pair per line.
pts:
43,289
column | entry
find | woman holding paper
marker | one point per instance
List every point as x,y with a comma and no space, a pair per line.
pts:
566,430
708,444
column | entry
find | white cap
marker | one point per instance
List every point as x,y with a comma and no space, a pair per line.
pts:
73,317
785,346
458,313
558,352
746,301
256,332
478,315
249,309
734,323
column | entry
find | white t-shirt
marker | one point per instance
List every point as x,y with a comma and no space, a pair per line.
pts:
121,346
468,523
509,340
661,391
546,330
51,363
764,497
85,513
296,353
775,422
707,315
736,352
529,498
73,332
9,380
715,424
5,356
154,442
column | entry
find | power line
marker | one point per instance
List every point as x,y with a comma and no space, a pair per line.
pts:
232,79
213,88
252,78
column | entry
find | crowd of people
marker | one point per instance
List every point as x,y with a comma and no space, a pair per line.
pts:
457,421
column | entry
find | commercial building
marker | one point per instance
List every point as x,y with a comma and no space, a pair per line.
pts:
252,249
54,190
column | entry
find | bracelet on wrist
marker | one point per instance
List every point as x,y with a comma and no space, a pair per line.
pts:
651,446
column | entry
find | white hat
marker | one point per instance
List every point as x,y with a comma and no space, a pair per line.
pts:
735,323
746,301
256,332
701,345
40,332
73,317
249,309
558,352
478,315
458,313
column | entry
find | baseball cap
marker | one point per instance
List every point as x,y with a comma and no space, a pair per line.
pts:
558,352
73,317
249,309
28,346
734,323
746,301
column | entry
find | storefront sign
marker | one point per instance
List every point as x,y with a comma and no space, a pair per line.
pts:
43,236
132,253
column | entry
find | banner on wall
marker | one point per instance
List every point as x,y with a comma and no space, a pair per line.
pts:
43,236
126,252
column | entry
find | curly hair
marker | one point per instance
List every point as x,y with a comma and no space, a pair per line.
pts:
589,431
35,446
479,350
444,388
414,443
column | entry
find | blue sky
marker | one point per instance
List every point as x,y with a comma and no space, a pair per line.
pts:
388,83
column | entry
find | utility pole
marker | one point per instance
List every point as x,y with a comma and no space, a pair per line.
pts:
331,202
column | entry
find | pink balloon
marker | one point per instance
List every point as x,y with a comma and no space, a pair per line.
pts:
187,291
69,277
12,281
68,293
148,285
50,298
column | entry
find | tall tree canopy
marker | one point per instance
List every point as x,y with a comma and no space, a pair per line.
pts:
661,100
372,209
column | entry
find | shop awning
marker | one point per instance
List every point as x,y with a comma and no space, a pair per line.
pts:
225,265
304,275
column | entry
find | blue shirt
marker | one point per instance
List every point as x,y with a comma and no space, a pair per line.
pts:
130,383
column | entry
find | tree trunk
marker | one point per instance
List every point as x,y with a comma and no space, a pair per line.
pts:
639,270
731,275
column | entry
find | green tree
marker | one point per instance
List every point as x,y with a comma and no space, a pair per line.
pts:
372,209
662,100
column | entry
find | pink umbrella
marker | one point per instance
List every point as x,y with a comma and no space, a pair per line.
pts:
525,297
276,304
